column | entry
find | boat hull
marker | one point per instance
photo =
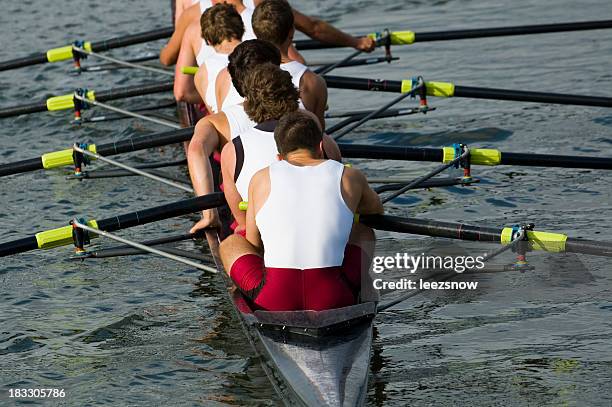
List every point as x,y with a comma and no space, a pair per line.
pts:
311,358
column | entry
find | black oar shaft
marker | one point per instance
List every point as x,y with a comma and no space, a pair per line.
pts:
34,59
162,212
119,147
391,152
393,86
509,31
452,230
101,96
562,161
19,167
137,90
377,85
96,46
481,33
35,107
528,96
127,40
462,231
129,220
18,246
148,141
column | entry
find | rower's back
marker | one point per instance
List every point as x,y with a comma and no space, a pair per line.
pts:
305,222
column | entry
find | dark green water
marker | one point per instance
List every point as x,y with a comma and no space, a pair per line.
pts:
146,331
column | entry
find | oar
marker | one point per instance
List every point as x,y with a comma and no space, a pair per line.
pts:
345,63
410,37
448,89
546,241
478,156
63,236
145,248
119,251
66,52
64,158
65,102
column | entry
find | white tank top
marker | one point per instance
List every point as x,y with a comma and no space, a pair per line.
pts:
246,15
304,223
214,64
238,120
295,69
255,149
204,5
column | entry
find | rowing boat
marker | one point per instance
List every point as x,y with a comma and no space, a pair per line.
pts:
312,358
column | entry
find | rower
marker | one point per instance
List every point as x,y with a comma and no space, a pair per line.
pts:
312,27
273,22
302,249
270,93
196,47
222,28
214,131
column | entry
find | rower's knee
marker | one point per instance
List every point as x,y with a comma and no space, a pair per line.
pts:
232,248
197,147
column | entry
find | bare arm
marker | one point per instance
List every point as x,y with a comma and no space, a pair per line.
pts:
184,87
232,196
325,32
331,149
313,92
358,195
170,52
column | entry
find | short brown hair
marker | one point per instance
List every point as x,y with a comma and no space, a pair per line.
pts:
269,93
272,21
221,22
247,55
297,130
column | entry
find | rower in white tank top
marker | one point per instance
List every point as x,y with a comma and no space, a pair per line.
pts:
214,63
309,199
295,69
206,50
255,149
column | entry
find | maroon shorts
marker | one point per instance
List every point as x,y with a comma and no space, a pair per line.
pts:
282,289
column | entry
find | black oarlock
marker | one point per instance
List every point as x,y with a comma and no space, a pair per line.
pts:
80,160
80,237
77,56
